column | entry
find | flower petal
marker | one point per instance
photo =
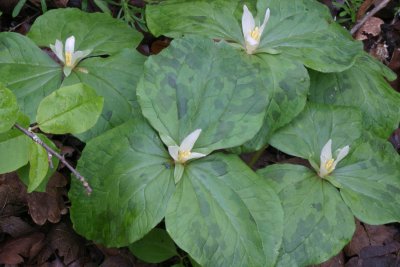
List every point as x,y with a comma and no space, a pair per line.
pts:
326,152
195,155
248,23
266,18
78,56
342,153
173,152
70,44
188,143
58,50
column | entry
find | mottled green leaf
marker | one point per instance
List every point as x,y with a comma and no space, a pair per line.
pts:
369,182
306,135
14,147
223,214
71,109
97,31
298,29
317,223
27,71
199,84
361,86
157,246
132,180
176,17
8,109
115,78
288,95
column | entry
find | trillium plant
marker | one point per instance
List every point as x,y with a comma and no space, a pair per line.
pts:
164,134
69,57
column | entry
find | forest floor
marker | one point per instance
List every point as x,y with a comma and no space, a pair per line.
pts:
35,229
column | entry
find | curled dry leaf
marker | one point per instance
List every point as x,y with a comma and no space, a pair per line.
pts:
14,226
12,195
372,27
49,205
15,250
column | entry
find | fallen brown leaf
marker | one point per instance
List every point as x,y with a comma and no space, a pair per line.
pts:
15,250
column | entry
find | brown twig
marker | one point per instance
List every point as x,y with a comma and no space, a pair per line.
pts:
50,151
368,15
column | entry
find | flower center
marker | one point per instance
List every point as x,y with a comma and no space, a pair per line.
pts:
183,155
255,34
329,165
68,59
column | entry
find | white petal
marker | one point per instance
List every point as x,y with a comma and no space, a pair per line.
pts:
173,151
188,143
58,50
322,171
82,54
195,155
70,44
266,18
248,23
342,153
326,152
78,56
251,42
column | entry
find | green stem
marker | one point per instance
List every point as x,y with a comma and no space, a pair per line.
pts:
257,156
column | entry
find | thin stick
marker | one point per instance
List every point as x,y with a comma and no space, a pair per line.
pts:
49,150
368,15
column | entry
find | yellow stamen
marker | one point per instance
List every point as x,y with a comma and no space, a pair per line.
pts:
68,59
183,156
255,34
329,165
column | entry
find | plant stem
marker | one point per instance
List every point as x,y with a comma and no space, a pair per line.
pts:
257,156
369,15
49,150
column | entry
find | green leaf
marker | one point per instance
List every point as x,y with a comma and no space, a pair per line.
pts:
197,84
27,71
300,29
132,180
223,214
364,87
157,246
115,78
39,168
97,31
8,109
369,182
175,18
39,165
71,109
14,147
17,9
306,135
317,223
287,82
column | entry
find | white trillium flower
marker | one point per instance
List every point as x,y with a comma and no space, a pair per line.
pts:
183,153
251,32
328,163
69,57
